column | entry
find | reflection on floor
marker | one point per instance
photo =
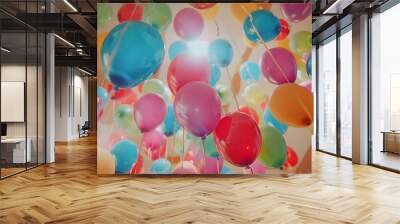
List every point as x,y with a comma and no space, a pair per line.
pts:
387,159
69,191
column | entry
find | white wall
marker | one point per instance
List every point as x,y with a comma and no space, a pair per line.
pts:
70,83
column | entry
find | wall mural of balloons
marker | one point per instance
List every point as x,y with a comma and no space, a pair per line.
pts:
204,88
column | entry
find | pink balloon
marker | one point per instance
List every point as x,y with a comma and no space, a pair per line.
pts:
149,111
296,12
205,164
185,168
279,66
258,168
154,144
197,108
188,24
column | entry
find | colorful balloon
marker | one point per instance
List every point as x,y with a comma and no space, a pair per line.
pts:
210,13
249,71
126,155
156,86
205,164
149,111
226,170
291,157
215,75
241,10
220,52
154,144
300,42
202,5
125,96
225,95
309,65
170,125
279,66
138,167
258,168
176,48
123,116
130,12
186,68
104,14
292,104
209,147
197,108
102,98
285,30
186,167
138,42
238,139
264,23
250,112
254,93
161,166
296,12
114,138
158,15
188,24
273,150
271,121
306,84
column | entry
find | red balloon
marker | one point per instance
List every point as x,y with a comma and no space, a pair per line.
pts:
188,24
202,5
285,30
186,68
129,12
238,139
125,96
291,157
249,111
137,168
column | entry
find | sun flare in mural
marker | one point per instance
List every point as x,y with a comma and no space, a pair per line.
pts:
204,88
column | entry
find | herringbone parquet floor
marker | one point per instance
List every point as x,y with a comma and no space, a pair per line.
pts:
70,192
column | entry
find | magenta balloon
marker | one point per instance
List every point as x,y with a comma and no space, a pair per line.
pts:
296,12
205,164
149,111
185,168
279,66
188,24
197,108
153,140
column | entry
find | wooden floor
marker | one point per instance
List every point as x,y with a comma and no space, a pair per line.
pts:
70,192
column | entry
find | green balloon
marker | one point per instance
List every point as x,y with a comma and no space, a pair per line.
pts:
123,116
300,42
209,147
273,149
156,86
158,15
224,94
104,14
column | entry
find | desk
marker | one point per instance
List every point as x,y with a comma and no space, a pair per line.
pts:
16,147
391,141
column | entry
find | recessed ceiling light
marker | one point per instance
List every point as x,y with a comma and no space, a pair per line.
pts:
70,5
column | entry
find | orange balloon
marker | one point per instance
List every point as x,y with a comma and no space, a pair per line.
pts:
292,104
264,6
174,159
235,85
210,13
242,10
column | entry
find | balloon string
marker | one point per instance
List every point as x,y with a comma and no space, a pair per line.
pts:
204,153
216,24
251,170
217,164
234,95
183,147
265,44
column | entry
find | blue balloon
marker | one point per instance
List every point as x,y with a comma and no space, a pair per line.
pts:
270,120
226,170
215,75
176,48
170,125
131,53
126,155
249,71
266,24
309,65
102,94
161,166
220,52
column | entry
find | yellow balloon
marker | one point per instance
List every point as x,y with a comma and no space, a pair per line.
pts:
301,71
210,13
283,43
105,162
242,10
254,93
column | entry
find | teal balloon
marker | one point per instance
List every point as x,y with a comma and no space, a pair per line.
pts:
226,170
102,94
170,125
220,52
176,48
126,155
104,14
270,120
209,147
131,53
215,75
161,166
249,71
266,24
309,68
